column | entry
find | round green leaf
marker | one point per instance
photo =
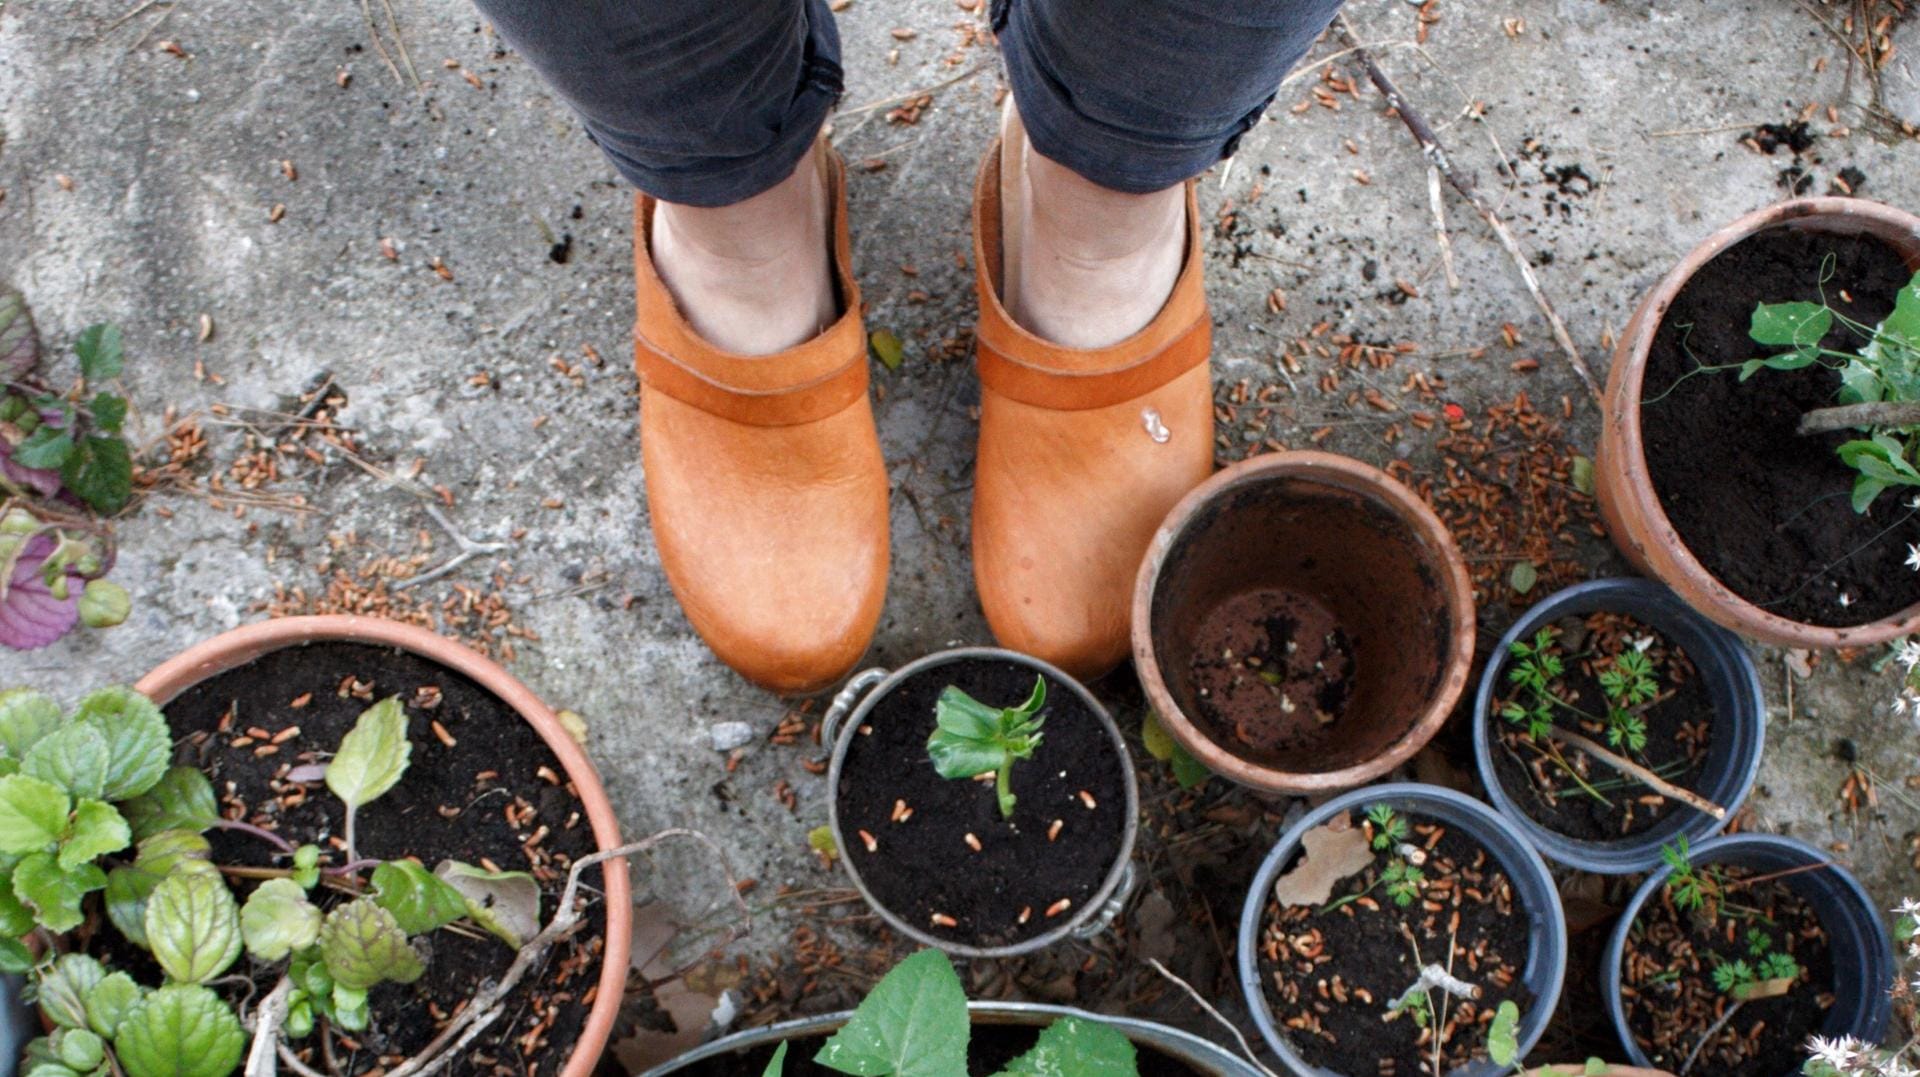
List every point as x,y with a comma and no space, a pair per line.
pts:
15,958
138,742
15,918
418,900
372,755
54,893
181,800
278,919
33,814
97,829
64,986
506,903
104,604
80,1048
109,1001
181,1030
193,925
73,757
25,717
363,945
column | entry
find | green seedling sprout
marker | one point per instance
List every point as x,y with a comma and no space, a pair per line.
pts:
974,738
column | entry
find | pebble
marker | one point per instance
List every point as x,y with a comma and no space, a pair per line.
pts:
726,736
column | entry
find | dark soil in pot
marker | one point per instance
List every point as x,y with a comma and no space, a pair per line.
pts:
988,1052
1333,971
922,865
1271,669
451,804
1766,510
1672,1000
1679,726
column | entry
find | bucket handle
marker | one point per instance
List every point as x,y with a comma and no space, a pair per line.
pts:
1110,910
857,686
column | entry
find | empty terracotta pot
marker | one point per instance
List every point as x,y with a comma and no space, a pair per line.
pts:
1302,623
1623,485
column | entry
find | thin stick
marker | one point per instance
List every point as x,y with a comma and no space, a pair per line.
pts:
400,43
1711,1033
266,1024
1437,158
902,98
1245,1048
1849,416
293,1061
1440,227
373,32
1681,132
1628,766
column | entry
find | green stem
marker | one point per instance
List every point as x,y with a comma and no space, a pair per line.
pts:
1349,899
1002,785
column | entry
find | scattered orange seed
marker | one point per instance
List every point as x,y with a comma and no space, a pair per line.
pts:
286,734
1087,799
941,919
1026,913
257,733
267,749
547,775
872,843
1054,830
973,842
440,733
487,863
300,701
1059,907
242,742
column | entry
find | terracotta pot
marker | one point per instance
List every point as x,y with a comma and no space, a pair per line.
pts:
1343,544
242,645
1628,502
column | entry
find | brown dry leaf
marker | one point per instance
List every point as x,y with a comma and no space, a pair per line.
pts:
1764,989
1334,851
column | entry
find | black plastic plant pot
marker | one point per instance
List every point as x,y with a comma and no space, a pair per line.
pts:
934,856
1860,950
1725,682
1534,893
1169,1049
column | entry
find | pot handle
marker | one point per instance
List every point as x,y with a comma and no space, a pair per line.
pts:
1129,879
857,686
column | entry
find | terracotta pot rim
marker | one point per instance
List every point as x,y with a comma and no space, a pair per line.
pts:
237,646
1353,476
1672,559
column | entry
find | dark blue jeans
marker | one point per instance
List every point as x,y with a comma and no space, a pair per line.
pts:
709,102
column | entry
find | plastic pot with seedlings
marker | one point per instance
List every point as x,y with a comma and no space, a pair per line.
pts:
1302,623
982,801
1403,929
1757,452
1612,718
917,1019
296,792
1737,951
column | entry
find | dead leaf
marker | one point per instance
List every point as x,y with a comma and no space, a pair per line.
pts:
1764,989
1334,851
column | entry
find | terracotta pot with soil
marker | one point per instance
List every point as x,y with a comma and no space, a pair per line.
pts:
1388,927
1302,623
1001,1032
1728,958
1611,718
492,778
940,858
1705,482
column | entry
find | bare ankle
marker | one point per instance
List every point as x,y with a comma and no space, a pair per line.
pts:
755,277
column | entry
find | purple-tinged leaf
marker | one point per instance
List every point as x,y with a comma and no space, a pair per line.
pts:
44,481
19,349
30,617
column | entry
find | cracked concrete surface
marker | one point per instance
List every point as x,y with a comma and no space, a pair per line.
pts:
1623,119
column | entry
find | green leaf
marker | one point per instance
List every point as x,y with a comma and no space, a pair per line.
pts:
912,1024
1076,1047
957,757
1792,324
130,887
25,717
64,987
104,604
108,411
19,346
98,347
138,741
349,1007
372,756
97,830
1792,360
778,1063
193,925
54,893
181,800
73,757
180,1030
109,1001
100,472
506,903
306,866
1523,577
820,840
1903,325
363,945
278,919
15,958
79,1048
417,898
33,814
1581,474
1159,743
1503,1042
15,918
46,447
887,348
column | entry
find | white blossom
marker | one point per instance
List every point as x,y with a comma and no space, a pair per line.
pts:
1913,556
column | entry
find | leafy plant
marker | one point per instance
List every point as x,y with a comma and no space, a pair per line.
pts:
1628,680
1741,978
1403,882
1692,889
914,1023
973,738
1389,829
89,804
1628,683
62,458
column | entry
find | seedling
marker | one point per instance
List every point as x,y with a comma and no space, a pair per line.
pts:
914,1023
1628,681
1692,889
88,803
1772,971
1503,1046
974,738
1403,880
1389,830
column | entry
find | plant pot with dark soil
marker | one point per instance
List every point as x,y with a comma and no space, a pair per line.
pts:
1611,718
1402,928
358,841
1302,623
1756,450
982,801
1739,949
943,1035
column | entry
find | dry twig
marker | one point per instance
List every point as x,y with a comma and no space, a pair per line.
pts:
1627,766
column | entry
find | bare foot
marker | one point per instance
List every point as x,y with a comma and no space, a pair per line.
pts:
1084,266
755,277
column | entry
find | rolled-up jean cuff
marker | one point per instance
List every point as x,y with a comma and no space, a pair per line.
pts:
1101,153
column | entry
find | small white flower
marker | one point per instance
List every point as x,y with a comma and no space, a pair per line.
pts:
1642,643
1836,1053
1913,556
1906,704
1907,907
1845,600
1893,1067
1907,652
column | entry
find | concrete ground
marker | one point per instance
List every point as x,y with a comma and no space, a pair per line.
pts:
328,204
